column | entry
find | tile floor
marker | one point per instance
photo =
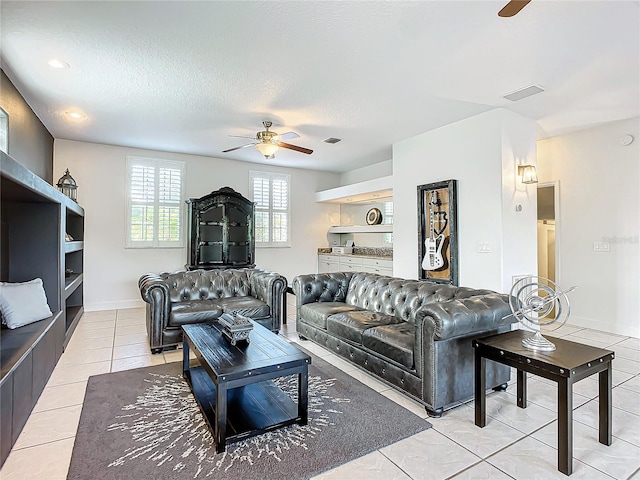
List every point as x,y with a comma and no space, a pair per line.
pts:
515,444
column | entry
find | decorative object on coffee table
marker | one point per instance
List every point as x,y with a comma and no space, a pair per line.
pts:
536,302
235,327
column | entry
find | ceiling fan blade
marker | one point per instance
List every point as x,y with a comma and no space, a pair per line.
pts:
288,135
243,136
512,8
238,148
295,147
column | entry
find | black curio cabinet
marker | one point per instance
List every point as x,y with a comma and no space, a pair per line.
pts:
221,231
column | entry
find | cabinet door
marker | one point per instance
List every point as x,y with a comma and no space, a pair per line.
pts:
328,263
381,266
351,264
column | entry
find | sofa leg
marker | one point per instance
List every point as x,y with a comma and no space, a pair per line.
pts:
500,388
156,350
437,413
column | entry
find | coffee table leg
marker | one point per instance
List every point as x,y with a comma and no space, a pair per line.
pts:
480,388
221,418
604,405
522,388
303,395
185,356
565,426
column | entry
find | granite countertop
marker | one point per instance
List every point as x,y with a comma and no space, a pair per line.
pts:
361,252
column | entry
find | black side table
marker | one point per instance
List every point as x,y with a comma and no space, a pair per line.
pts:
568,364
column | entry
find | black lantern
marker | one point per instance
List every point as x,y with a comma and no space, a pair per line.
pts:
68,186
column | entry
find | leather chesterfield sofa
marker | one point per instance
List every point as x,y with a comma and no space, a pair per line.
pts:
200,296
414,335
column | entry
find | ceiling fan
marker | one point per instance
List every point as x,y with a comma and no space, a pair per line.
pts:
512,8
267,142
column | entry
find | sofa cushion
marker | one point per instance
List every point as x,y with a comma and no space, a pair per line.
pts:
247,306
395,342
316,314
350,325
194,311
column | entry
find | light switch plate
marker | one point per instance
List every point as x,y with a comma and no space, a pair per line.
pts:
485,247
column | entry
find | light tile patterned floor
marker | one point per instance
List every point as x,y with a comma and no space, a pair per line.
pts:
515,444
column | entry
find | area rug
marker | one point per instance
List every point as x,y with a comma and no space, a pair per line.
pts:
145,424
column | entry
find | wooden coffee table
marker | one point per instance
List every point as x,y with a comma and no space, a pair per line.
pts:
568,364
233,384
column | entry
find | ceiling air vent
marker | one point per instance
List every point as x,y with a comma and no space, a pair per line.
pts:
523,93
332,140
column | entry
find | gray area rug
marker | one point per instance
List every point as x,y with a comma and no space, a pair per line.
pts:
145,424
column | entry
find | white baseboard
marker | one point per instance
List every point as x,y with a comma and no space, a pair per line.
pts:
122,304
595,324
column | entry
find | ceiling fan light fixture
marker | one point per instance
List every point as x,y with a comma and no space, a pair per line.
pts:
267,149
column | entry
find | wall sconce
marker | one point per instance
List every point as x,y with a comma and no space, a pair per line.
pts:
528,173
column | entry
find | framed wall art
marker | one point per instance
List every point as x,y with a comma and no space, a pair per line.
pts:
438,232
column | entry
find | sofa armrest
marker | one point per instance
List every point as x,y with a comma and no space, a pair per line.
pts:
148,282
155,291
269,287
465,316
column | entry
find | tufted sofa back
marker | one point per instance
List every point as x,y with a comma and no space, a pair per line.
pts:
207,284
401,298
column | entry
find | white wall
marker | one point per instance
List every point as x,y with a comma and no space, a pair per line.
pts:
112,272
481,153
370,172
599,201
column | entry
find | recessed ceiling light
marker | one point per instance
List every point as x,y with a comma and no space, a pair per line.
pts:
76,115
56,63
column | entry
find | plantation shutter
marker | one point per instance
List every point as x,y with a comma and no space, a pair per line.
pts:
155,210
270,193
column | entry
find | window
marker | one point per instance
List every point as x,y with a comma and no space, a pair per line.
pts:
388,219
154,206
270,193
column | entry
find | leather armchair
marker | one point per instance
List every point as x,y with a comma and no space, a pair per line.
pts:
200,296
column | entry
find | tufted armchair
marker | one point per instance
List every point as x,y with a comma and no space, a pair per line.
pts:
199,296
414,335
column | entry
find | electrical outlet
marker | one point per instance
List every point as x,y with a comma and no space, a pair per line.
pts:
601,247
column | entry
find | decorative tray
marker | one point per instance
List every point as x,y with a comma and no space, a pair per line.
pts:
235,327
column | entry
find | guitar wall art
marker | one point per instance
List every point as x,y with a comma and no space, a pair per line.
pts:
438,248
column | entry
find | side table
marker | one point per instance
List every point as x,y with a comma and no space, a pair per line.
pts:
568,364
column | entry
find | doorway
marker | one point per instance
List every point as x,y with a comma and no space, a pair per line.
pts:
547,231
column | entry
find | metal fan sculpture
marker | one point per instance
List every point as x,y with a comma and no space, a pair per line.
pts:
537,302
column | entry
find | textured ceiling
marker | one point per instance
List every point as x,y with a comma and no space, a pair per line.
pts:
183,76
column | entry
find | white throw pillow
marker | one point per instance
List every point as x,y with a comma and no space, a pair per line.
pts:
23,303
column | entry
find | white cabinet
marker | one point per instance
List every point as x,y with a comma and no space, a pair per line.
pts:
379,266
328,263
350,263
